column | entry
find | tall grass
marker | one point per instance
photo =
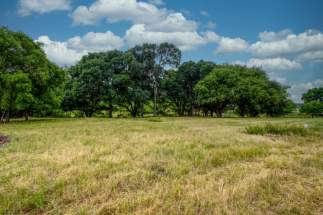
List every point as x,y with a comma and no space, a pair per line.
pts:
159,166
272,129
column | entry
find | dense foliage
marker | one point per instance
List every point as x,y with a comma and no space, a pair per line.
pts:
248,91
147,78
29,82
313,102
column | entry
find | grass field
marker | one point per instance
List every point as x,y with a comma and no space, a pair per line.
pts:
160,166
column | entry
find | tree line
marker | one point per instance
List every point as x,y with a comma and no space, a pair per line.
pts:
147,78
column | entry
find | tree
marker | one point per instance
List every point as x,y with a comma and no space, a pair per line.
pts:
132,86
179,85
155,58
91,82
313,102
23,63
173,86
276,102
216,90
315,94
313,108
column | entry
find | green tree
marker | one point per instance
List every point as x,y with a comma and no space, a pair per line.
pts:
216,90
315,94
179,85
313,102
23,61
132,86
313,108
92,82
154,59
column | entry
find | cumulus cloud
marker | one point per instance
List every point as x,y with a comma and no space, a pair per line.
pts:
150,23
270,36
271,46
138,34
297,90
174,22
26,7
271,64
69,52
156,2
313,56
230,45
118,10
59,53
95,42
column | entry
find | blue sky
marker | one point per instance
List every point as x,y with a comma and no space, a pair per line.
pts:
285,38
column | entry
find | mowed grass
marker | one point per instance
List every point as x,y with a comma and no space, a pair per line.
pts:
160,166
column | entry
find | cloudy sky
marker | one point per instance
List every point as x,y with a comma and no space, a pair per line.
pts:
285,38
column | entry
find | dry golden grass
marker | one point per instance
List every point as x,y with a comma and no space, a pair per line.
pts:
164,166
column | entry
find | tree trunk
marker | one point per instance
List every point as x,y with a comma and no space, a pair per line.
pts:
110,109
3,114
26,115
8,116
219,113
155,99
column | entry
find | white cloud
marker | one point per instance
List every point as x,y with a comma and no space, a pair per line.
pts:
156,2
211,37
95,42
271,64
174,22
138,34
118,10
59,53
291,44
230,45
313,56
297,90
26,7
270,36
69,52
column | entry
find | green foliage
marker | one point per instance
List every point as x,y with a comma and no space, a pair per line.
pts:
178,85
92,81
313,102
313,108
216,89
146,77
247,90
28,81
277,130
315,94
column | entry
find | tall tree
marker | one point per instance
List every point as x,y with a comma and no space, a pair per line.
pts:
313,102
91,82
216,90
155,59
23,61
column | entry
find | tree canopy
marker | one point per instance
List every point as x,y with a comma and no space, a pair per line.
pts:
29,82
147,78
313,102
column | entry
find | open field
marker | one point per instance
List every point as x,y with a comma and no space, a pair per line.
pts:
160,166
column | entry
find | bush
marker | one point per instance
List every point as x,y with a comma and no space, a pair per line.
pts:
277,130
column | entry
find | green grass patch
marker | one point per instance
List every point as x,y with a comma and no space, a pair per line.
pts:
271,129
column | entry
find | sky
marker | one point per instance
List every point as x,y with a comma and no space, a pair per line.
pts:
285,38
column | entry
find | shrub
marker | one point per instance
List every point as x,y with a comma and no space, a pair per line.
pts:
277,130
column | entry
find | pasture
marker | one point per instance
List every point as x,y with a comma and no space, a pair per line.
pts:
160,166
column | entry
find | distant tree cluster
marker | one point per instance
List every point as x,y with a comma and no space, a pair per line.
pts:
313,102
147,78
206,88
